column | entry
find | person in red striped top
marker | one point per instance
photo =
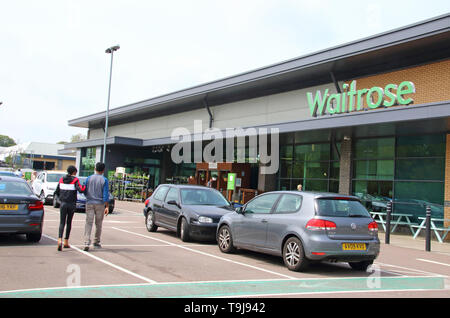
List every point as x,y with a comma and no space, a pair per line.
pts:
67,193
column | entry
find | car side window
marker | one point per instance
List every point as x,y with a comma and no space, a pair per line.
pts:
262,204
161,193
172,195
289,203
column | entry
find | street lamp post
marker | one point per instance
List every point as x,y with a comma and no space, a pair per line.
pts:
111,51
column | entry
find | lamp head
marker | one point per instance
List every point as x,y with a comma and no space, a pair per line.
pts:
112,49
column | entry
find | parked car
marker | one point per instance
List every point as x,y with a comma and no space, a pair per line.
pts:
190,211
8,174
45,184
81,199
21,211
303,227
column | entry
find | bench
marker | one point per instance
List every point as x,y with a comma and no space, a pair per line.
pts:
380,217
436,229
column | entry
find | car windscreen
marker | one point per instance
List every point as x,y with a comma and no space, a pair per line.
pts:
7,174
202,197
52,177
14,188
340,207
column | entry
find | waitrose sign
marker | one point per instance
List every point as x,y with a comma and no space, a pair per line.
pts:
353,100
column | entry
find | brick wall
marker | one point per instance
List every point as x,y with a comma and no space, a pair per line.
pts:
447,185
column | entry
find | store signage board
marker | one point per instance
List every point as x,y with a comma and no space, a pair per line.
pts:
231,182
353,100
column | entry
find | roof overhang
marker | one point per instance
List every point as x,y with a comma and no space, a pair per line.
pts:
410,45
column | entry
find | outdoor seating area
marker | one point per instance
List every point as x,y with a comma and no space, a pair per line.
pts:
438,225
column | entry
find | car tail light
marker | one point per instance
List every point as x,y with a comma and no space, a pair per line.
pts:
37,205
146,202
319,225
373,227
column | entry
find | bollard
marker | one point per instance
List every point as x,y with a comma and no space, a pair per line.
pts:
387,238
428,229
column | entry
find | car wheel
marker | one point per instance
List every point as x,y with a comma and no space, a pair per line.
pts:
34,237
225,240
55,202
150,222
360,266
184,230
294,255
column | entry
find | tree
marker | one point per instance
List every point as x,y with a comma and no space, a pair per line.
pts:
6,141
77,137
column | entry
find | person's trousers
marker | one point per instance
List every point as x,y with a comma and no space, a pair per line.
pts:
66,215
93,212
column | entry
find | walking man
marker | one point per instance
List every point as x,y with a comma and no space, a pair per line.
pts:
97,197
66,192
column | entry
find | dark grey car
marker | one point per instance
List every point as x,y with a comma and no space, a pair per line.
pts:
303,227
191,211
21,211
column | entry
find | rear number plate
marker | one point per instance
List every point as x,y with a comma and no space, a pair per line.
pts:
354,246
9,207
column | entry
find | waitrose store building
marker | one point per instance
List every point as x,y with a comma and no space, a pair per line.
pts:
369,118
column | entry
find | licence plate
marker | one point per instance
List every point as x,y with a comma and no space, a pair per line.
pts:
9,207
354,246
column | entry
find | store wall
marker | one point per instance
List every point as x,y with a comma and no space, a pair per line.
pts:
272,109
447,183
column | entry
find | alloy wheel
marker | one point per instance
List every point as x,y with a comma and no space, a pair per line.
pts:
224,239
292,253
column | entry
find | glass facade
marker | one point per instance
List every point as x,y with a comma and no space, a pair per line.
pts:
406,170
314,165
87,161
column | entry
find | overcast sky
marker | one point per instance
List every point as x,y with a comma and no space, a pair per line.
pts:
53,65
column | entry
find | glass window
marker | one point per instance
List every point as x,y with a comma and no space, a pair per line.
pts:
289,203
52,177
420,169
285,184
375,148
421,146
316,185
262,204
161,193
172,195
312,152
317,170
14,188
374,195
340,208
202,197
374,169
285,168
413,197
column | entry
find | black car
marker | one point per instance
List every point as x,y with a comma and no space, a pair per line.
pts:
81,199
21,211
190,211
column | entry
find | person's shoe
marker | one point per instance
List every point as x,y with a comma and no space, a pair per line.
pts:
86,248
66,243
59,245
97,245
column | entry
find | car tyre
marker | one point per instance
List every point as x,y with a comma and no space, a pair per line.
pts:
55,202
34,237
225,240
360,266
294,255
184,231
150,222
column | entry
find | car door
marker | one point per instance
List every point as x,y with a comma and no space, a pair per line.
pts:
37,184
172,210
157,201
284,214
251,227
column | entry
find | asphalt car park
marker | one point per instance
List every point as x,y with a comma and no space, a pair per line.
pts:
136,263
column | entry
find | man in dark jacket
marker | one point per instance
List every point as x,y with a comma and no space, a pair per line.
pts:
67,193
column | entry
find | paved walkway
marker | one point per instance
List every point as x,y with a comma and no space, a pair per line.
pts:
406,240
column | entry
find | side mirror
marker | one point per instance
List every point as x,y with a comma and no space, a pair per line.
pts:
173,202
239,210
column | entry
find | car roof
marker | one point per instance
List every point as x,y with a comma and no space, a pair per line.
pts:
315,194
55,172
186,186
8,179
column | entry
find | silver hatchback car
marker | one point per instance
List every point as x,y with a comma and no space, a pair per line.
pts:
303,227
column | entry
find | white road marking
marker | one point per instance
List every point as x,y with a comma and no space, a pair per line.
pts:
207,254
106,262
425,260
412,269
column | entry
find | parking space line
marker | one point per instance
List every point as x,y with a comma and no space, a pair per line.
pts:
411,269
106,262
207,254
434,262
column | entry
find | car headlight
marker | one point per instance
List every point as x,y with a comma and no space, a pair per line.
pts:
205,219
